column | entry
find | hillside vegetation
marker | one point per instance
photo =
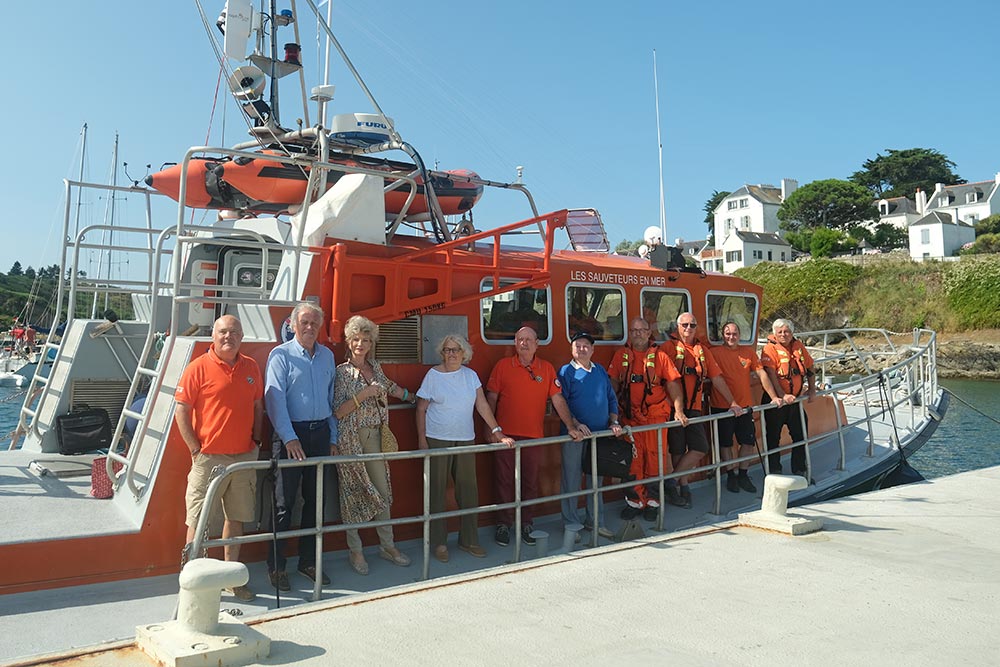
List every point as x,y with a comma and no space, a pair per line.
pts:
895,294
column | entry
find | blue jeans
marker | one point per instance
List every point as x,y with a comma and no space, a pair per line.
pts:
572,471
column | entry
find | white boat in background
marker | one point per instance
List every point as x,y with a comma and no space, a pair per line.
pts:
96,568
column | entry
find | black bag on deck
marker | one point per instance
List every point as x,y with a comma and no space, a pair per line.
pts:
84,429
614,457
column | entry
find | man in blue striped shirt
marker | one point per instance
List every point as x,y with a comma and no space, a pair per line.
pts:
298,394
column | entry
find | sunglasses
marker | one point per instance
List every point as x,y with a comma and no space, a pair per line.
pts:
688,325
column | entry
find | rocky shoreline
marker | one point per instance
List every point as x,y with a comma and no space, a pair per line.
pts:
969,360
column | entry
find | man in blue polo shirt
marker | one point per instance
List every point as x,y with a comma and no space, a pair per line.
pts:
594,407
298,393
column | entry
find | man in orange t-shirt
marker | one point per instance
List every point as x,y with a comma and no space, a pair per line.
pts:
647,385
738,363
517,391
219,414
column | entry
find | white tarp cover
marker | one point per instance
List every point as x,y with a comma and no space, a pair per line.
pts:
353,209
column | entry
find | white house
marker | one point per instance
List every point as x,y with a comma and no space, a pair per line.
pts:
898,211
967,202
749,215
937,235
748,248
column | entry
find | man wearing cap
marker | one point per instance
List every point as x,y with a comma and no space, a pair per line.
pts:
517,391
593,407
219,415
647,385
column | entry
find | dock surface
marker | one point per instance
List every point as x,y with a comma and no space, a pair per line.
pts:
908,575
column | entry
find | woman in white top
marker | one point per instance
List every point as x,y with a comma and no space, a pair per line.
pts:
445,403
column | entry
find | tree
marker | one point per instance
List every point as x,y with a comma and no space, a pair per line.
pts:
626,247
986,243
16,270
830,203
899,173
29,273
709,208
824,242
990,225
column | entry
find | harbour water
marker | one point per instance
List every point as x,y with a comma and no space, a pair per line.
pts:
968,439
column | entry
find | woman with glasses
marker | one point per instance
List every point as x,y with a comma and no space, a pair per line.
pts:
446,400
360,401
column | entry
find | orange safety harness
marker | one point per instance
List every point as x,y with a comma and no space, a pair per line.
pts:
625,379
785,369
698,369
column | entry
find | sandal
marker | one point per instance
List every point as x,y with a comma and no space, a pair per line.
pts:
394,556
358,564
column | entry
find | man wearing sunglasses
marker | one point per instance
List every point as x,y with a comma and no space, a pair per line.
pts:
697,367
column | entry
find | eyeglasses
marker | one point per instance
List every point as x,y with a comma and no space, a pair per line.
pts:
531,372
451,350
688,325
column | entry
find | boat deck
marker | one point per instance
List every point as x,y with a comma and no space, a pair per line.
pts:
901,576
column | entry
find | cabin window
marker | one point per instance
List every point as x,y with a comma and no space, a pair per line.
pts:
661,308
503,314
600,311
724,308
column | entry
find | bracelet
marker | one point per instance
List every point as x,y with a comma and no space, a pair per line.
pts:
496,430
356,404
406,394
614,424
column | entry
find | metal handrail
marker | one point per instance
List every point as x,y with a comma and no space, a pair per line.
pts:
716,465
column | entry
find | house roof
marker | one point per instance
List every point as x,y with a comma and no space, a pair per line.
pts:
958,193
691,247
938,218
766,194
757,237
899,205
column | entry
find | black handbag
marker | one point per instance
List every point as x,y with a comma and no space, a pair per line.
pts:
84,429
614,457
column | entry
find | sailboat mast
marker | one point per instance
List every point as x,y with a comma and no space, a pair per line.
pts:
83,162
659,144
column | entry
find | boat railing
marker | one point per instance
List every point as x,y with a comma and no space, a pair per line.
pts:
917,362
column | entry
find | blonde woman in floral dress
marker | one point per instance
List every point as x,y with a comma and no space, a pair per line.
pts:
359,402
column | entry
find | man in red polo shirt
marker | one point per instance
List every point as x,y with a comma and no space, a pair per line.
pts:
517,392
219,413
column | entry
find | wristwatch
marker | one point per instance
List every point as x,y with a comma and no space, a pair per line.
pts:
496,430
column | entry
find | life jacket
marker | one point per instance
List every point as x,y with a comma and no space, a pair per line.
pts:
693,374
791,364
649,377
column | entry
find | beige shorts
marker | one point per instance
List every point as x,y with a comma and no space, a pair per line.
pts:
237,491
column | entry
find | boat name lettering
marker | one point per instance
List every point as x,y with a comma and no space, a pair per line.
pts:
617,278
423,309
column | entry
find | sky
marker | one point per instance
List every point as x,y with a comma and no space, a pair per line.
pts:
748,93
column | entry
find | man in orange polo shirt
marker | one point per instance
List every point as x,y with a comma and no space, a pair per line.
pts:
517,391
738,364
647,387
219,413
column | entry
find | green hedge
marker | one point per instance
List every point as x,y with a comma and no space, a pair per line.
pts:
973,289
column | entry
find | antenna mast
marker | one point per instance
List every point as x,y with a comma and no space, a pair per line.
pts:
659,144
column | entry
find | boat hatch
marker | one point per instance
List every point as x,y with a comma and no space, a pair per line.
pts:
586,231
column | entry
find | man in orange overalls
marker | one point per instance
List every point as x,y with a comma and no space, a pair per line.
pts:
644,379
788,364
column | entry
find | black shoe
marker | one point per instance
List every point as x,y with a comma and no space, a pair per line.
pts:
279,580
732,484
746,483
502,536
775,470
526,536
309,572
686,497
629,512
650,513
